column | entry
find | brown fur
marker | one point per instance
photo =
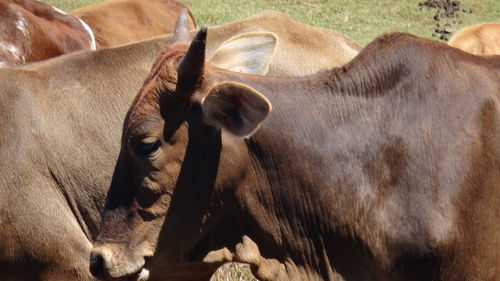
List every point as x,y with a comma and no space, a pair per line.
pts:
387,168
117,22
58,141
481,39
44,33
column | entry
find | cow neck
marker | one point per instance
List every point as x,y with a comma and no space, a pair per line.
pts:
84,188
287,157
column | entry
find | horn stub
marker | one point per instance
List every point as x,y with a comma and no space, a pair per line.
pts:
181,30
190,68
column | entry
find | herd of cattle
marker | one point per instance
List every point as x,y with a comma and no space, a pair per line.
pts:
146,156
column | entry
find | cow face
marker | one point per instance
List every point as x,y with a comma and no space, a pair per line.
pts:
171,147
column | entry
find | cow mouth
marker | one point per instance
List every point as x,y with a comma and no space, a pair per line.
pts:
143,275
106,267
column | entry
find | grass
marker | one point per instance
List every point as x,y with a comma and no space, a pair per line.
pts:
361,20
69,5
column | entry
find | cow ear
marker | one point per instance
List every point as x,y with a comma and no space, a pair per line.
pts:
247,53
236,108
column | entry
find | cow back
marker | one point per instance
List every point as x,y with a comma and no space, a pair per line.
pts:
117,22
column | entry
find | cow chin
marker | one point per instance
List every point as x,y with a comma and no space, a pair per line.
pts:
110,264
143,275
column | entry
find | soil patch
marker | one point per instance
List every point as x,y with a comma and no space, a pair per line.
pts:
446,17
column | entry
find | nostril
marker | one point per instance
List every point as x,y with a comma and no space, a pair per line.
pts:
103,264
96,265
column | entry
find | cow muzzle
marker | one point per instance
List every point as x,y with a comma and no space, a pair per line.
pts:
111,265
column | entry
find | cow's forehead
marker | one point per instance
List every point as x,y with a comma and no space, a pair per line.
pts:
159,85
145,109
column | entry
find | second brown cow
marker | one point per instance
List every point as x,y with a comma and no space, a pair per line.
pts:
32,31
117,22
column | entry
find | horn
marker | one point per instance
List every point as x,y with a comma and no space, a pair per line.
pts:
181,30
190,67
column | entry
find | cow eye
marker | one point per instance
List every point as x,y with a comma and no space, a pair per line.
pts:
147,149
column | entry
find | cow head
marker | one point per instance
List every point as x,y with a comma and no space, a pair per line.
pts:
171,155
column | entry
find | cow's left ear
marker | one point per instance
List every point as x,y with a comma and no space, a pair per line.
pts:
249,52
236,108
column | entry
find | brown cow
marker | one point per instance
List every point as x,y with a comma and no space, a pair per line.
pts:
117,22
481,39
32,31
387,168
59,137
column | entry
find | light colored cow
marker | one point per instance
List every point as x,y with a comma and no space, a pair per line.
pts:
481,39
117,22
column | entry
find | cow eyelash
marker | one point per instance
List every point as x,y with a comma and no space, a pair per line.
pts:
145,150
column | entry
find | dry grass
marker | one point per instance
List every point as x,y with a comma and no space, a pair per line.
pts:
233,272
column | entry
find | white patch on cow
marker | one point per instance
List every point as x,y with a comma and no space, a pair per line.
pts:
143,275
91,34
348,48
3,64
13,50
59,11
85,26
21,24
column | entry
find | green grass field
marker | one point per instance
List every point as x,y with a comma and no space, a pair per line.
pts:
361,20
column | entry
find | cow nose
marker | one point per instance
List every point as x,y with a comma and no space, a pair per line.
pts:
98,259
97,265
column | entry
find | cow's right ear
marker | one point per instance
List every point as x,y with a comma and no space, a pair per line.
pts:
235,108
250,52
